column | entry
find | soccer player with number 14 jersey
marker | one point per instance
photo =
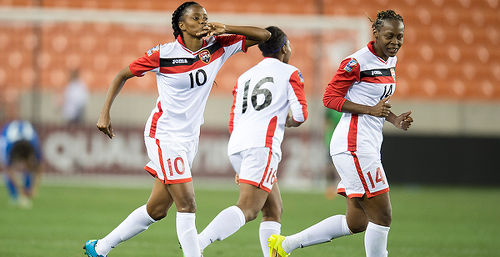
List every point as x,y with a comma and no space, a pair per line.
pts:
360,89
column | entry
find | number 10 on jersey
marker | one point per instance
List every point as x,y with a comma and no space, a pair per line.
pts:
199,77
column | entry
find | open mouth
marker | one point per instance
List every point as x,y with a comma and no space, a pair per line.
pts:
392,50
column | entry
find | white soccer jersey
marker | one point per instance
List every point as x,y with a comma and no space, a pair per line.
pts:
184,79
362,78
262,97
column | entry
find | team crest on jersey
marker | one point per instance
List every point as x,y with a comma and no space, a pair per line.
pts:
204,56
152,50
393,73
350,65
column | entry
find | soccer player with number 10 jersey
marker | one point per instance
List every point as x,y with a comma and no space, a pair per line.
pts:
185,71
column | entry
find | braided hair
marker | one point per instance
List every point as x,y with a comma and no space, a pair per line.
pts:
385,15
273,45
176,16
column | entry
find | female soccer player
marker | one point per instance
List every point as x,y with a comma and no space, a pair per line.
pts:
262,98
360,89
185,71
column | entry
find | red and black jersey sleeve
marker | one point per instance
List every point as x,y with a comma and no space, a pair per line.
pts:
148,62
227,40
347,74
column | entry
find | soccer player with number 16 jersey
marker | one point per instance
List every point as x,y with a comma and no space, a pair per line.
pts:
263,97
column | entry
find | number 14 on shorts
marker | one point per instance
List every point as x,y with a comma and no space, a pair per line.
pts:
378,177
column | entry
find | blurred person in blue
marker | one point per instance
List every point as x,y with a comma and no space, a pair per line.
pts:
20,157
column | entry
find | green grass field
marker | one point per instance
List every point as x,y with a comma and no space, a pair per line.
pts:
427,221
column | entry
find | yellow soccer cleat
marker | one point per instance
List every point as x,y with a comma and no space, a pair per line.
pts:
275,245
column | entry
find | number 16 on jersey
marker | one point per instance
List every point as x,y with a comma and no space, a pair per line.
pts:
268,97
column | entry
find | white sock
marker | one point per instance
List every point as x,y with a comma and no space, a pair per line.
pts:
324,231
138,221
266,229
376,240
187,234
226,223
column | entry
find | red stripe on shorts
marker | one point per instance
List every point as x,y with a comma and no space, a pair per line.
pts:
154,121
161,161
267,167
352,136
360,173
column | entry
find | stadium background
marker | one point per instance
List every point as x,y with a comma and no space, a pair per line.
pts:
448,74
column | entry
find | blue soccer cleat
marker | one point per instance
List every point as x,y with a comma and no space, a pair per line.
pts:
89,248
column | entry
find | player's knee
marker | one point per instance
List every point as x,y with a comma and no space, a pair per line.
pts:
157,213
250,213
272,214
385,218
357,227
189,206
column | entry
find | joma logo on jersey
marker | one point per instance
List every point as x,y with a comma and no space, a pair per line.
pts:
204,56
179,61
376,72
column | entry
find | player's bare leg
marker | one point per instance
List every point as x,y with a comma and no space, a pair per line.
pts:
271,219
379,213
251,200
159,201
183,195
355,216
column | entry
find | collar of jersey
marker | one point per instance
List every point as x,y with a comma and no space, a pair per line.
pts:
372,49
181,42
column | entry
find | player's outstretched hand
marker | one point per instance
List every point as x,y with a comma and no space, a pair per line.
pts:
212,29
403,121
104,125
382,108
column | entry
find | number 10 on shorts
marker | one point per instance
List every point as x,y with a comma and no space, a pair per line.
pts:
378,177
178,166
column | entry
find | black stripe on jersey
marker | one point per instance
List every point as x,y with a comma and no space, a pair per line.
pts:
375,73
172,62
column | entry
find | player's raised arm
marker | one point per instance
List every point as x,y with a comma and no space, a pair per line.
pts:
254,35
104,122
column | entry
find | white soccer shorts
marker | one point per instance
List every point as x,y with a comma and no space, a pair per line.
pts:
360,174
170,161
256,166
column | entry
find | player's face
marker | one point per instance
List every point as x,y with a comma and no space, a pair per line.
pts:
288,52
389,39
193,20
